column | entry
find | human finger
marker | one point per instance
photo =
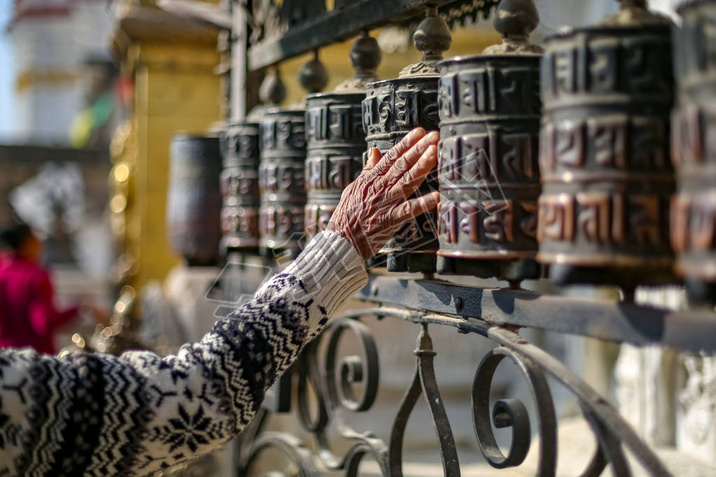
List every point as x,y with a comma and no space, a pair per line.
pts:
411,180
408,160
373,156
402,170
398,150
414,207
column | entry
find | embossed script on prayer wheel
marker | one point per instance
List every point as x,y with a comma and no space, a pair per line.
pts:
604,152
335,136
336,142
488,169
281,178
391,109
693,209
194,200
240,187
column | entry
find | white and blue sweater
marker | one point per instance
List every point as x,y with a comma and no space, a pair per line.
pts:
99,415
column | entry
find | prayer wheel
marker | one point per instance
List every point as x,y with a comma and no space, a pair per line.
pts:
607,92
693,209
335,137
391,109
281,179
240,187
488,169
194,199
282,184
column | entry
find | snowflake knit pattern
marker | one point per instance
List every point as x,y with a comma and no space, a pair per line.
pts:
100,415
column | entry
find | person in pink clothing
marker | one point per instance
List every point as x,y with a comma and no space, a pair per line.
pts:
28,316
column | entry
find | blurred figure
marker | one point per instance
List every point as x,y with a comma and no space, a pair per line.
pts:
28,316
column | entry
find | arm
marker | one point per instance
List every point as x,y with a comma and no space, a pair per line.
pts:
94,414
44,316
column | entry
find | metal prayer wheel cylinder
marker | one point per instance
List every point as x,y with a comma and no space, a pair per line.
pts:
336,142
335,137
194,199
604,159
240,187
393,108
488,169
693,208
281,179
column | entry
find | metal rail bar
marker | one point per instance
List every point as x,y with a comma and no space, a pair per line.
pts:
601,319
337,25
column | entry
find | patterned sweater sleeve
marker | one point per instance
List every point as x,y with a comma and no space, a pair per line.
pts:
98,415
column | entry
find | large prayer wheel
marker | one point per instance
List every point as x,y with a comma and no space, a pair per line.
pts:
606,173
393,108
335,137
240,187
693,229
488,170
194,200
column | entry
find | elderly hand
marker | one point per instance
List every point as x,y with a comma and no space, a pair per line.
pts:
375,205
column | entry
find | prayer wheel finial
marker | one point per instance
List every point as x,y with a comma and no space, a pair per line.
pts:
634,12
313,76
272,91
432,38
515,20
365,57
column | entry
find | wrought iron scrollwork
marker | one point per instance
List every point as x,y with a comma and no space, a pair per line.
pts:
330,377
332,380
513,413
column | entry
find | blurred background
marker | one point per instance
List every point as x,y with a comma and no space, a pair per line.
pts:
91,93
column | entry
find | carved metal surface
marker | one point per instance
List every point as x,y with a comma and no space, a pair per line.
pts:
326,386
336,142
694,154
240,187
194,201
391,109
604,155
335,135
488,172
281,179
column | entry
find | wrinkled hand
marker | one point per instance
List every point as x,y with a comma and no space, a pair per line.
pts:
375,205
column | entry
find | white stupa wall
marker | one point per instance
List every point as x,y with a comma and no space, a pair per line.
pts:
51,40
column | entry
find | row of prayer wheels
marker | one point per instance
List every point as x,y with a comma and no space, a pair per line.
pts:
557,162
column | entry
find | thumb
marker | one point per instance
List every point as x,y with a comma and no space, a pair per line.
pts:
374,156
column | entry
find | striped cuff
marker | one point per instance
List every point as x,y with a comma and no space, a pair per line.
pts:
332,271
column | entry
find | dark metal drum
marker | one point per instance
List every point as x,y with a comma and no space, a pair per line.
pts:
693,209
488,170
281,179
607,177
240,187
194,201
336,142
391,109
335,136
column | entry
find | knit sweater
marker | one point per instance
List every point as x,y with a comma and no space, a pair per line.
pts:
99,415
